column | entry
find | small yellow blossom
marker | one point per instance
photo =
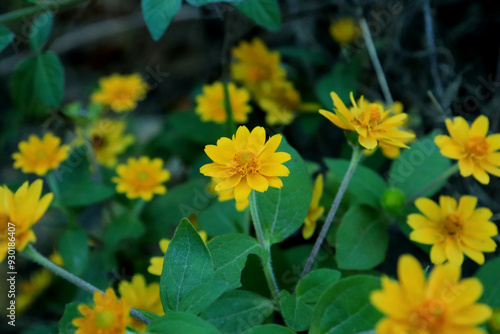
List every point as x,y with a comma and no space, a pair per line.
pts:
57,259
477,153
120,92
279,100
146,297
40,155
156,262
30,290
246,162
315,210
109,315
211,105
419,306
371,121
141,178
344,30
108,140
255,64
453,230
22,209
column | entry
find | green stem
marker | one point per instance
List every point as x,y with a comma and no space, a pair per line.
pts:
268,267
31,253
356,155
54,187
376,62
449,172
231,125
139,206
17,15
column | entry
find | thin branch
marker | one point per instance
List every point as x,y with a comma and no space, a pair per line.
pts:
431,46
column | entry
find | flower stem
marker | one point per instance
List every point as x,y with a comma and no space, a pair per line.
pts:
31,253
449,172
231,125
376,62
268,267
138,207
54,187
356,155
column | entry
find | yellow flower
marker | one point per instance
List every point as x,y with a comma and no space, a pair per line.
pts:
156,262
211,104
477,153
315,211
120,92
371,121
453,230
255,64
141,178
441,305
141,296
30,290
110,315
23,209
108,140
344,30
279,100
57,259
40,155
246,162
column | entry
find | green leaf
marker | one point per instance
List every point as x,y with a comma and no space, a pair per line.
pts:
419,166
265,13
236,311
38,79
87,193
269,329
123,227
158,14
343,79
488,274
73,247
311,286
345,307
70,312
223,218
296,312
281,212
6,36
180,323
229,254
40,30
198,131
187,264
362,239
198,299
365,187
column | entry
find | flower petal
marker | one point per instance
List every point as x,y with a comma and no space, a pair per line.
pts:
429,208
257,182
479,127
466,206
241,191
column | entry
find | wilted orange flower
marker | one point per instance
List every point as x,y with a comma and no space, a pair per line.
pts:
211,104
476,152
120,92
246,162
39,156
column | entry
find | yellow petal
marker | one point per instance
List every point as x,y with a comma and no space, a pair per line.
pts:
440,279
218,154
274,182
458,129
335,120
438,254
417,221
447,204
472,315
480,175
411,277
466,206
228,183
453,252
466,292
473,254
241,191
479,127
466,167
427,236
257,182
368,142
429,208
484,245
274,170
493,142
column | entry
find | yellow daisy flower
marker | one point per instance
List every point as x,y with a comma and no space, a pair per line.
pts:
30,290
315,210
211,103
477,153
453,230
246,162
120,92
344,30
279,100
141,178
255,64
40,155
23,209
443,304
371,121
156,262
109,315
108,140
146,297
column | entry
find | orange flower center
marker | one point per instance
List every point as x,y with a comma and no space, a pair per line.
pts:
453,224
428,317
40,154
97,141
142,176
245,162
257,74
105,319
375,114
477,145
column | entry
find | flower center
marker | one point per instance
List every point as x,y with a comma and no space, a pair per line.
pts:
142,176
245,162
375,114
428,317
477,145
40,154
453,224
104,319
97,141
257,74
